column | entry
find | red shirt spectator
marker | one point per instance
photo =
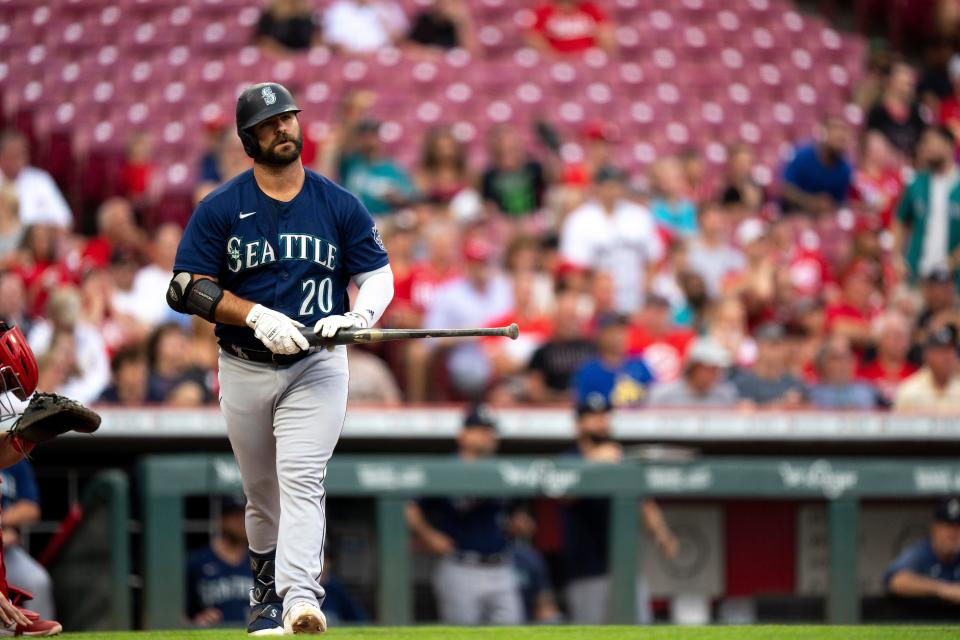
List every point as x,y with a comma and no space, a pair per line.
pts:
568,26
663,345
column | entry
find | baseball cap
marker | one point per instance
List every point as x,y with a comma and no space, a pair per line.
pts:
479,416
945,336
707,352
477,250
948,510
770,331
609,173
594,402
938,275
610,319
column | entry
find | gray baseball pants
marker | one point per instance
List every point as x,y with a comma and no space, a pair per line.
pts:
283,424
471,594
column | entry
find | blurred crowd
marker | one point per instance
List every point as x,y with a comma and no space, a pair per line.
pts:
830,284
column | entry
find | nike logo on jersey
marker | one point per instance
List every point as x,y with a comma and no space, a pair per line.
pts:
246,215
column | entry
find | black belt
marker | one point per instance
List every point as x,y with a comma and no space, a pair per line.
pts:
481,559
262,355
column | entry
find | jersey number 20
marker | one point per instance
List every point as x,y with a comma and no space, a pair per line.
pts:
322,290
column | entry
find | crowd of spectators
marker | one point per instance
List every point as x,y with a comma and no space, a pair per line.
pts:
831,286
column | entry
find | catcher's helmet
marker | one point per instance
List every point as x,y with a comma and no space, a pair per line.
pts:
257,103
18,367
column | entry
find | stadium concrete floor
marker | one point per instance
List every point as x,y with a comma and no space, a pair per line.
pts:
573,633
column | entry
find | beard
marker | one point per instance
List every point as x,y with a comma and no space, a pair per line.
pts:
274,157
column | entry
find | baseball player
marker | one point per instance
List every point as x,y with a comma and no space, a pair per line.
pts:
266,253
46,416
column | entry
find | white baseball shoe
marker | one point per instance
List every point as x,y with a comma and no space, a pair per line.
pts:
304,618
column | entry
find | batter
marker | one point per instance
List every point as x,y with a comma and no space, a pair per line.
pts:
267,253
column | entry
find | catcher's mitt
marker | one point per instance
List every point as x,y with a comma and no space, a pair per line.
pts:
50,414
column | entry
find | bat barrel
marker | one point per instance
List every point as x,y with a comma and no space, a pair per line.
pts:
362,336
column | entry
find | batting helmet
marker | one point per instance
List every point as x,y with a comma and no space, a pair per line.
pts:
18,367
257,103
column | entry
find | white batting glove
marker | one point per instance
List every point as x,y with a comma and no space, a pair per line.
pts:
328,327
276,331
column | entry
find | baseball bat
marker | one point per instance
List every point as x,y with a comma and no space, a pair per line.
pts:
364,336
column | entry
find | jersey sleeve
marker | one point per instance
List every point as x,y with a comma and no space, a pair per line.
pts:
362,248
910,560
204,242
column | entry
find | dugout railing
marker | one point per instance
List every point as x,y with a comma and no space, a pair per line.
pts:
165,480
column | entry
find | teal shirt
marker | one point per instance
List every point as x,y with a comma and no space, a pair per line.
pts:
913,212
372,182
679,218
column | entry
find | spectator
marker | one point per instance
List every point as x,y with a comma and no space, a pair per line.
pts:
117,231
570,26
443,166
817,180
338,604
710,252
11,230
755,284
878,183
78,346
475,581
931,568
672,209
586,552
513,182
380,183
444,24
219,579
533,576
949,108
702,384
40,199
145,299
926,229
740,191
699,184
13,301
935,388
129,385
836,388
727,328
370,380
896,114
889,365
481,293
622,380
41,266
139,170
21,507
769,382
653,335
286,26
552,366
936,78
510,357
173,377
852,313
363,26
614,235
939,303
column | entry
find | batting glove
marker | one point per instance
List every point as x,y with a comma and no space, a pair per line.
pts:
328,327
276,331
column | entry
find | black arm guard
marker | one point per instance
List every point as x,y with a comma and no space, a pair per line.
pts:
198,297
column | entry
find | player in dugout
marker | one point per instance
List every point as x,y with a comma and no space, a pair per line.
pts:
46,416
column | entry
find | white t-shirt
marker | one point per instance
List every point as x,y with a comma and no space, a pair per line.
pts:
362,28
714,263
623,243
146,301
91,355
40,199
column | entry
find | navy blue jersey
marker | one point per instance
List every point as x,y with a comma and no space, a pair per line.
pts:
532,576
214,584
295,257
474,524
921,559
18,483
586,533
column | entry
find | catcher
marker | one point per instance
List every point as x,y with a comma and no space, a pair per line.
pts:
45,417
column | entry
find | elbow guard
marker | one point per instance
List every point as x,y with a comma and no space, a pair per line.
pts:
197,297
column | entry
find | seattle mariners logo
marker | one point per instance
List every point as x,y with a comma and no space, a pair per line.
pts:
377,238
269,97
